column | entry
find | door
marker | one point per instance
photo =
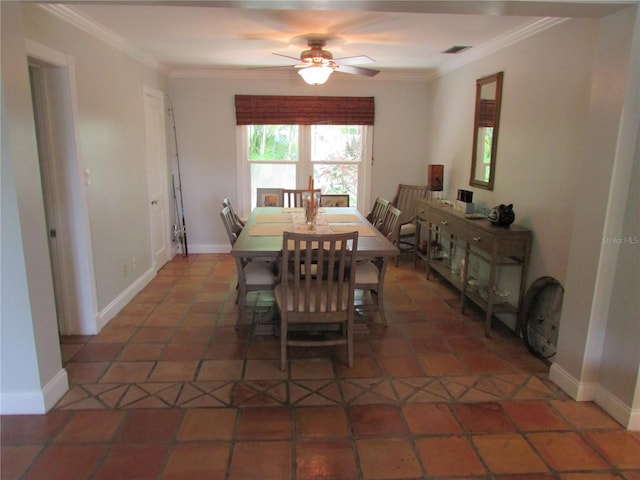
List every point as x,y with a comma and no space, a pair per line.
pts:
156,163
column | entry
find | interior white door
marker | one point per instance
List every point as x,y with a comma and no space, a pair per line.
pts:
156,160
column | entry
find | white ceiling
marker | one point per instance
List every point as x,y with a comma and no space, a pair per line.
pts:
399,35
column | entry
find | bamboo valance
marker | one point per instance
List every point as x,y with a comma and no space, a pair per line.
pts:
303,110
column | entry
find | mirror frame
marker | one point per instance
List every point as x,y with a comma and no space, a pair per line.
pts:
496,79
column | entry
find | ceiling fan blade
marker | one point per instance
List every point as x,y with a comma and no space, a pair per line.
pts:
356,70
356,60
297,59
271,67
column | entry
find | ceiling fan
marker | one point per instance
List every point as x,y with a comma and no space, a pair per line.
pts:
316,64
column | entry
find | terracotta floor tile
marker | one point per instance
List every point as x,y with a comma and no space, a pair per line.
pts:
482,418
388,458
142,462
207,424
144,426
14,461
220,370
377,420
363,367
141,351
197,461
176,351
620,448
98,352
264,370
176,371
153,334
508,453
321,422
82,426
584,415
90,372
261,460
23,429
66,462
442,364
264,423
228,351
127,372
311,368
323,460
589,476
406,366
449,457
430,419
194,334
566,452
534,416
115,334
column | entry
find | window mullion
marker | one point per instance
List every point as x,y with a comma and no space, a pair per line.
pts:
305,168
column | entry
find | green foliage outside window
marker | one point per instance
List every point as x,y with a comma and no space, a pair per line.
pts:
273,142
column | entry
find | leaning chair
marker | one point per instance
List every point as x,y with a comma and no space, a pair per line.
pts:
317,291
370,273
253,275
405,201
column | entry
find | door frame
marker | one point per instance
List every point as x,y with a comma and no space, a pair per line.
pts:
165,228
76,275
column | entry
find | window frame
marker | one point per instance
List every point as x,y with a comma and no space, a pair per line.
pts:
304,166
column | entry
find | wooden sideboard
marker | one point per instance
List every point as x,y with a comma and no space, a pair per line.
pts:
448,242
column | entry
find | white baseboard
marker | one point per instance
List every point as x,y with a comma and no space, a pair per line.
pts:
208,248
620,411
579,391
35,402
125,297
586,392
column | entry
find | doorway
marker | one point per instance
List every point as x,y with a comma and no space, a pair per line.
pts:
64,194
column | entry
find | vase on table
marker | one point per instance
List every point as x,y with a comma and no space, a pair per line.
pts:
310,203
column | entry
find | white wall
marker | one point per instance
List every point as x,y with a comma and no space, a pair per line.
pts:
112,149
31,378
112,145
205,122
559,144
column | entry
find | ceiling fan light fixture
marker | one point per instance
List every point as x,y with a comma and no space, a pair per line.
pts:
315,75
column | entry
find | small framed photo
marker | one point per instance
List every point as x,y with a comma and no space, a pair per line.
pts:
270,197
334,200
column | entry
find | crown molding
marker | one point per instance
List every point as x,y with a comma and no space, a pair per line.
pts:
503,41
71,16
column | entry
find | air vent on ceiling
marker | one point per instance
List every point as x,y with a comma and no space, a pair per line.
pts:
456,49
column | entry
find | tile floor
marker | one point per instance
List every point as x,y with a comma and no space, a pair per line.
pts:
170,389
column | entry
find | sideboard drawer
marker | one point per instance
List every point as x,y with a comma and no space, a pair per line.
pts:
451,224
480,239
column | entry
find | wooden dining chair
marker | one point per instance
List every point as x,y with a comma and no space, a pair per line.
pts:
405,201
378,211
227,203
253,274
311,303
370,273
293,198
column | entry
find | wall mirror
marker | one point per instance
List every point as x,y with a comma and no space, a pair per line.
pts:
485,131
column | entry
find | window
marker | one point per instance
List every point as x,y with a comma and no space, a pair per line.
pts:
282,140
284,156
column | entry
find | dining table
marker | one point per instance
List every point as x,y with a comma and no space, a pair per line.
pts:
262,234
262,237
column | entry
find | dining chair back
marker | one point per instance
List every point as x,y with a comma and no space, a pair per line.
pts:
253,275
226,202
293,198
405,201
232,228
378,211
370,273
316,291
